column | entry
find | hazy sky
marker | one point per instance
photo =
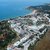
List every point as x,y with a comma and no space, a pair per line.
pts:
27,0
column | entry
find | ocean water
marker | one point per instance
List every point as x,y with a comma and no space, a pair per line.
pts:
13,8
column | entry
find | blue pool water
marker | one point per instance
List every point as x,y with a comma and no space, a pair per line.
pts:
13,8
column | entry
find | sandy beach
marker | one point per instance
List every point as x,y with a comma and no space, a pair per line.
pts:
33,12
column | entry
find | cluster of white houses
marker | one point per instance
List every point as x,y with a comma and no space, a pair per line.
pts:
31,32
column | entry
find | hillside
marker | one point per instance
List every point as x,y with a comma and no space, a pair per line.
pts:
44,44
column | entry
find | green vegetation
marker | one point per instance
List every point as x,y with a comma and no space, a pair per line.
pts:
31,47
6,34
43,8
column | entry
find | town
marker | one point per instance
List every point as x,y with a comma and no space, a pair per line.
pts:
30,29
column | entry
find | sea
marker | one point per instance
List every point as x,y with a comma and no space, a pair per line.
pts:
14,8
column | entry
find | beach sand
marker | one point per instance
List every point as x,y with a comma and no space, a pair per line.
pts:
33,12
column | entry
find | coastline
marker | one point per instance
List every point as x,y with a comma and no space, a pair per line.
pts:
33,12
18,16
